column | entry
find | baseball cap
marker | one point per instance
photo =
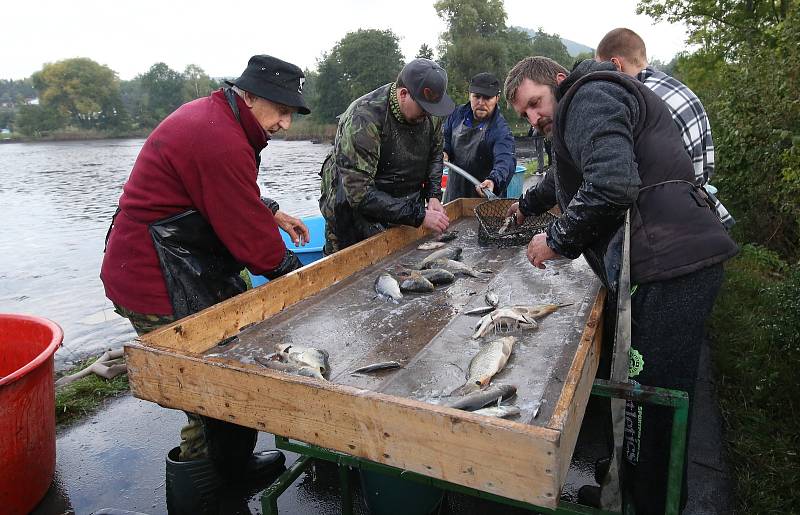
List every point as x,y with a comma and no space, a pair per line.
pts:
269,77
485,84
427,83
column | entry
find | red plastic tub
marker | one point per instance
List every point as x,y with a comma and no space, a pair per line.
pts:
27,410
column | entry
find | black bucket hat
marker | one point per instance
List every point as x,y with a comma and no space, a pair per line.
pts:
485,84
269,77
427,83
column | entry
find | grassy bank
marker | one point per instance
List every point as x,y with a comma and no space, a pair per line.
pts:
86,395
756,335
305,129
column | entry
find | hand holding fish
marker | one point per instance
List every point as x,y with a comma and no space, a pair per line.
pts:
294,227
514,211
539,252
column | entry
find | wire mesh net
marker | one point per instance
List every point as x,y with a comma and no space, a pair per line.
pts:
495,229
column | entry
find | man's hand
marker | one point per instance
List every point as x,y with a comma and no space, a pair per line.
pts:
515,212
294,227
539,252
487,184
435,220
445,156
433,203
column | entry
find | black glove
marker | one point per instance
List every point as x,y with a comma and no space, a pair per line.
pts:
288,264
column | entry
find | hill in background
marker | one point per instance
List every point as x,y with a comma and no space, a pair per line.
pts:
573,47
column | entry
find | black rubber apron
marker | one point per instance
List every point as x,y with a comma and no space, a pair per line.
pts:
466,141
199,271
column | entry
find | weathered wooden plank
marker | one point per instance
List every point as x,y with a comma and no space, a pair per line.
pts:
199,332
493,455
569,410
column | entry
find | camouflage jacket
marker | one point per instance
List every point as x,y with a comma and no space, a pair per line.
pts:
381,170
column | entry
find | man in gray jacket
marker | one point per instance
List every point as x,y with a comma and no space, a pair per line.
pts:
617,149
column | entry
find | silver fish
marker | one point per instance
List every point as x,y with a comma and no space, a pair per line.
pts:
479,311
491,298
447,236
303,356
431,245
452,266
501,411
479,399
438,276
289,368
413,281
383,365
453,253
502,319
539,310
486,363
387,287
507,223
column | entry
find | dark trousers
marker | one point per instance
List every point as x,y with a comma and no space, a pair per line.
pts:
668,319
229,446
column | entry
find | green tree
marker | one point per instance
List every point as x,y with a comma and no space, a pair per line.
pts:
357,64
747,72
550,45
425,52
82,91
37,120
162,93
197,83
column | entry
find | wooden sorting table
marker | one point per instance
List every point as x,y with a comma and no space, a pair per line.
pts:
205,363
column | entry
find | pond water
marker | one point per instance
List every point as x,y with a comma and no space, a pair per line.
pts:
56,200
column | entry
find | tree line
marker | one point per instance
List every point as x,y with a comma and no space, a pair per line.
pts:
81,94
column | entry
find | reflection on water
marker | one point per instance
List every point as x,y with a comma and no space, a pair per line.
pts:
56,201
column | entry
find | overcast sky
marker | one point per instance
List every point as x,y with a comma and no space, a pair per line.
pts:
129,37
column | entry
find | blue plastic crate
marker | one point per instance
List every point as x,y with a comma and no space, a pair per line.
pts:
514,189
309,253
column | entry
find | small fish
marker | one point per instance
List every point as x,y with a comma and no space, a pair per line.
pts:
289,368
480,311
303,356
438,276
447,236
501,411
413,281
491,298
383,365
452,266
486,363
431,245
501,319
453,253
387,287
539,310
507,223
479,399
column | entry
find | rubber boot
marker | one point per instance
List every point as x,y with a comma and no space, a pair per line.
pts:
192,486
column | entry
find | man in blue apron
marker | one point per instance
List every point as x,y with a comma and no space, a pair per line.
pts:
477,139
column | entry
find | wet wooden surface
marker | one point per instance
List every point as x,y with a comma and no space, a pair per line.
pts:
428,332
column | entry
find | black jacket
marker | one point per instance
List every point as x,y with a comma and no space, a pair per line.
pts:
617,148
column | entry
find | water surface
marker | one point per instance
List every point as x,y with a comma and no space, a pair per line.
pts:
56,200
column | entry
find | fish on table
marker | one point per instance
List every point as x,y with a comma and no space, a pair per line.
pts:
438,276
303,356
414,281
274,363
490,359
388,288
479,399
374,367
511,318
431,245
453,253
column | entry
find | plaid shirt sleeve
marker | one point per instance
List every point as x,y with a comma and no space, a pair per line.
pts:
689,115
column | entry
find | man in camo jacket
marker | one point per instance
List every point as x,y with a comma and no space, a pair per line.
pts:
386,164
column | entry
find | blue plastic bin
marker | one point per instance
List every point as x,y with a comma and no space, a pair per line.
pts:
311,252
514,189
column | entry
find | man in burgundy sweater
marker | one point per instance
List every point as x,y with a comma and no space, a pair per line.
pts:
190,219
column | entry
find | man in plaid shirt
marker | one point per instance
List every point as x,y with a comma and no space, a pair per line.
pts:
626,50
